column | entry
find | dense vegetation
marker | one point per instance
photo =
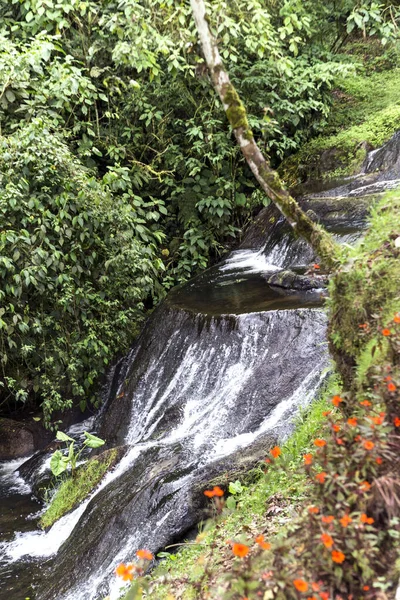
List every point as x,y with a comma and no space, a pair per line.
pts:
119,177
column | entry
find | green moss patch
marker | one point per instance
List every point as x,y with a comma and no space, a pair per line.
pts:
366,114
75,489
365,289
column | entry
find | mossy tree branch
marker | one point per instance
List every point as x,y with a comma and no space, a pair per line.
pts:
269,180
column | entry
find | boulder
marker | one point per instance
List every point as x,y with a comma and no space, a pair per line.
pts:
16,439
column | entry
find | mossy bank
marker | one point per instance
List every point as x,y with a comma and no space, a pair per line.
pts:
74,490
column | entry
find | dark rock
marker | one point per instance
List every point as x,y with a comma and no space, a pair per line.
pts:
17,439
386,159
290,280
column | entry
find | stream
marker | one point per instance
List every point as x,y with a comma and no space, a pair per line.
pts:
216,378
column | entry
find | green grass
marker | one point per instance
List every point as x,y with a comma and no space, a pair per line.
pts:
367,288
286,488
75,489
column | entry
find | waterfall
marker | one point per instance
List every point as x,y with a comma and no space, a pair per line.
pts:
216,377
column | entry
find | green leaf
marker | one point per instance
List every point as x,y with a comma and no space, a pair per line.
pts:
63,437
58,463
93,441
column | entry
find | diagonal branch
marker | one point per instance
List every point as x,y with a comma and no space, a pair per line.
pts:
269,180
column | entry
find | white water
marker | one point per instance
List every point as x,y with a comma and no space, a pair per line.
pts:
248,261
208,384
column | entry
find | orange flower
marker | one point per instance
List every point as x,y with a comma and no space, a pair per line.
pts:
145,554
308,458
315,586
262,543
125,571
345,520
396,421
316,266
391,387
276,451
300,585
368,445
326,413
366,519
327,540
365,486
339,441
324,595
312,598
336,428
386,332
267,460
336,400
240,550
377,420
378,460
352,421
337,556
396,318
313,510
365,403
328,519
216,491
320,443
366,588
363,325
320,477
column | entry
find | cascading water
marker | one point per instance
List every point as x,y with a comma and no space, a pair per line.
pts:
215,379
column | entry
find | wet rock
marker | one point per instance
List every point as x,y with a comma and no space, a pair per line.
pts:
385,159
290,280
16,439
36,470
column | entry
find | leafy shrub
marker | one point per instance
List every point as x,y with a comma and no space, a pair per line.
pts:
75,271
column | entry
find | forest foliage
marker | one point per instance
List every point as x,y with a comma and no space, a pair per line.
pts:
119,176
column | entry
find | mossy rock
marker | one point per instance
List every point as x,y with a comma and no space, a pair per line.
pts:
366,115
75,489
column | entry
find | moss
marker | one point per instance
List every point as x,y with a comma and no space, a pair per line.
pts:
75,489
366,288
236,111
366,114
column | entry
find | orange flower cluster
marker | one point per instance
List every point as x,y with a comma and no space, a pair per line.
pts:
276,451
319,443
320,477
308,458
260,540
313,510
327,540
366,519
215,492
240,550
336,400
337,556
125,571
300,585
144,554
345,520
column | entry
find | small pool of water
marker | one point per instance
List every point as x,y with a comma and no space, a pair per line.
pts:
225,290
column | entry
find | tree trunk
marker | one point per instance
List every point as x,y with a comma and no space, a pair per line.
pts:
269,180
